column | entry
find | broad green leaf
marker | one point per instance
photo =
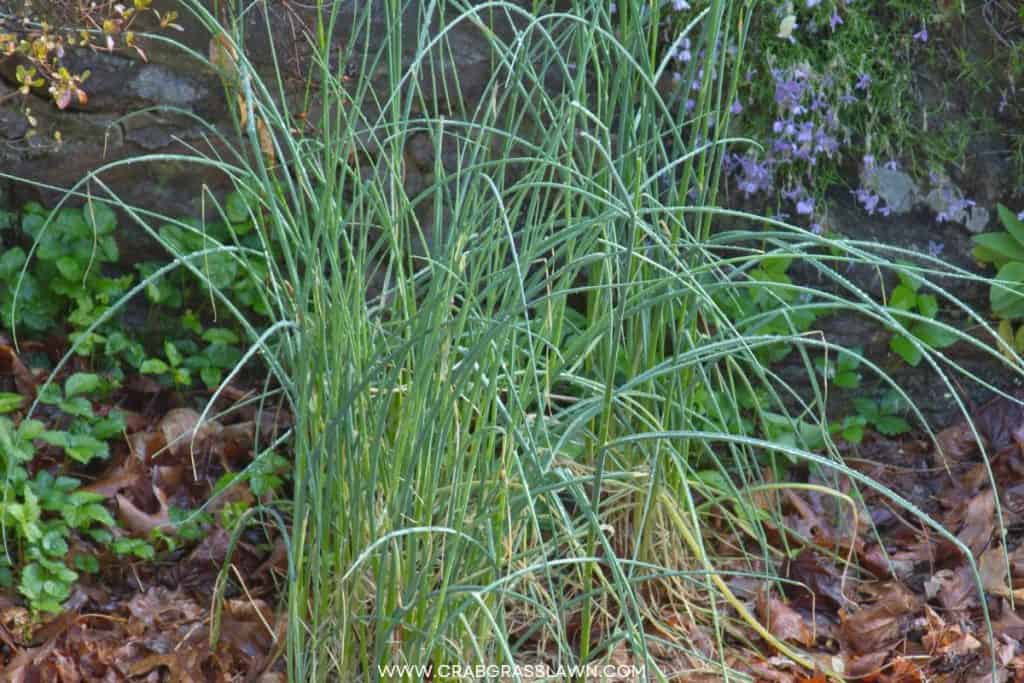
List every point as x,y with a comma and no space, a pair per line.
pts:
866,408
54,544
29,430
81,383
153,366
236,208
1007,297
70,268
173,356
211,376
905,349
220,335
934,335
998,248
9,402
853,433
847,380
11,262
927,305
903,298
1013,225
100,217
32,224
891,425
85,448
79,406
70,223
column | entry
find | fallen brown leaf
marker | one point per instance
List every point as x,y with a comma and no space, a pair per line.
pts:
783,621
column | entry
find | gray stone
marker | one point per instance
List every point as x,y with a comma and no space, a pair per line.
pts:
160,84
896,188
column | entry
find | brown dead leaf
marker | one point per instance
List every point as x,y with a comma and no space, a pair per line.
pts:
11,364
995,422
141,522
127,473
992,567
1009,624
879,626
821,580
979,522
183,433
953,588
947,640
783,621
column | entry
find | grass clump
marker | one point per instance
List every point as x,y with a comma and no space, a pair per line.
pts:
533,397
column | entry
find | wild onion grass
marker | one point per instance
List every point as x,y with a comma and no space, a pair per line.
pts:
520,394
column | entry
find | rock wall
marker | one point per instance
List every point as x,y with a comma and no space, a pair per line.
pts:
183,106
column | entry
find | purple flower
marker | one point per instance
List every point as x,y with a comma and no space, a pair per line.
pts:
736,108
813,3
922,35
680,5
816,228
835,20
681,50
789,91
753,175
805,207
863,81
869,200
1020,216
935,248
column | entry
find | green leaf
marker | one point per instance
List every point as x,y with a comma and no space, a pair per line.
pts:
110,426
11,262
31,585
1013,225
866,408
9,402
84,448
153,366
853,433
891,425
32,224
81,383
847,380
29,430
1007,298
998,248
220,335
211,376
927,305
87,564
108,249
173,356
70,224
100,217
934,335
53,543
70,268
905,349
236,208
903,298
79,406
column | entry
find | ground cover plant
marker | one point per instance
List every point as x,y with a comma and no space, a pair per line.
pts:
529,414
